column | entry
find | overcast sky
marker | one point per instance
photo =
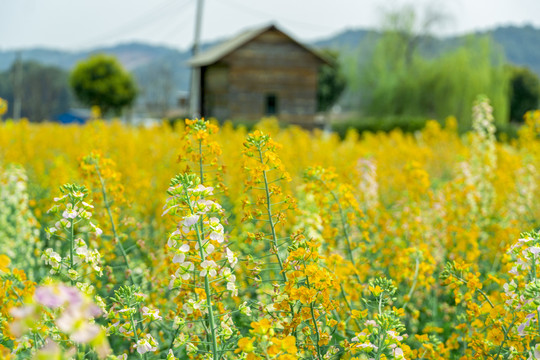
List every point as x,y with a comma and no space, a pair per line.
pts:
83,24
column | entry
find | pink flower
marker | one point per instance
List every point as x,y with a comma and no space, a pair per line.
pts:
56,296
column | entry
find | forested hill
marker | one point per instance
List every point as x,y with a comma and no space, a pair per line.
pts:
520,45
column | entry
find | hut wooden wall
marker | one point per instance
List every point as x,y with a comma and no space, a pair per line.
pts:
269,64
215,96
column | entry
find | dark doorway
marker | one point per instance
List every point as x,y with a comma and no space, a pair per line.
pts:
271,104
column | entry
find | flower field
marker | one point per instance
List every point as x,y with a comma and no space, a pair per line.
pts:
200,242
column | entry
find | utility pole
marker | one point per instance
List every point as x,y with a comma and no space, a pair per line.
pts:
194,94
17,87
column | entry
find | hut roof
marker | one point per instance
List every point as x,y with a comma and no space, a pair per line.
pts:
216,53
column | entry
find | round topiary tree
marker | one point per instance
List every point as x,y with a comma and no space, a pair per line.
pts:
102,81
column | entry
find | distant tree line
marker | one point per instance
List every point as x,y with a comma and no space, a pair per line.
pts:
398,80
42,90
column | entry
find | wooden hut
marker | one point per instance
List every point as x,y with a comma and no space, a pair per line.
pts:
261,72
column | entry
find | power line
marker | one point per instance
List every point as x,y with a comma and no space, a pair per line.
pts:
274,16
134,22
163,10
180,25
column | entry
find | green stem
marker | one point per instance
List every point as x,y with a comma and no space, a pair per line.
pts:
533,268
200,236
316,330
273,229
207,290
380,345
201,172
479,291
113,225
413,286
174,337
506,331
134,327
344,295
317,333
81,351
71,248
208,300
344,226
271,219
485,297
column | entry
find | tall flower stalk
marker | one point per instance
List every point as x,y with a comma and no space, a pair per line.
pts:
266,208
268,204
203,264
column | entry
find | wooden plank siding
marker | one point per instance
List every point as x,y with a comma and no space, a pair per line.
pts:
240,85
215,96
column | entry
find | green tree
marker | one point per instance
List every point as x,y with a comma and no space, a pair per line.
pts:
331,82
400,80
524,92
101,81
435,88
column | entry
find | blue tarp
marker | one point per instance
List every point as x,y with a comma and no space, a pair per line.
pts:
75,116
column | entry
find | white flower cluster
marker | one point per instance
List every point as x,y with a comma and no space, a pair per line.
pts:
18,226
152,314
194,305
363,341
478,171
226,326
525,254
368,186
53,259
146,344
84,255
74,212
198,238
522,292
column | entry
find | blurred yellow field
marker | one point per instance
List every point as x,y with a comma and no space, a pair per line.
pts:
275,244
